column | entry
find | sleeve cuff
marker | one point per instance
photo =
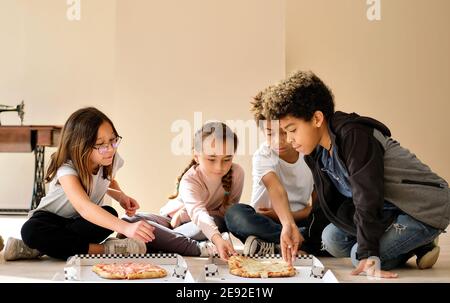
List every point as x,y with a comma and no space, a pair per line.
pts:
366,254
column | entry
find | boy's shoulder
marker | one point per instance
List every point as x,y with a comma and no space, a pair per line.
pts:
265,157
342,123
264,152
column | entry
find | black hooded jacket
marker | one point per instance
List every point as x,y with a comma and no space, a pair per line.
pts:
362,155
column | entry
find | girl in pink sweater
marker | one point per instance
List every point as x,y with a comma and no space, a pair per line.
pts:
193,218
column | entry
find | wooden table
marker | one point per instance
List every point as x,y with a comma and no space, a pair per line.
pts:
30,138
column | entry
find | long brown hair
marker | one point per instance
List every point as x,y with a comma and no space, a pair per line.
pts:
78,136
220,131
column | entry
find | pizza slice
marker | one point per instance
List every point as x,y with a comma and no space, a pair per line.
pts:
129,271
251,268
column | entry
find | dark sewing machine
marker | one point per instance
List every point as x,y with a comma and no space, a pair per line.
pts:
18,109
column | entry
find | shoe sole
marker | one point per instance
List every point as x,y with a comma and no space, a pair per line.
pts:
248,244
436,241
125,244
429,259
1,244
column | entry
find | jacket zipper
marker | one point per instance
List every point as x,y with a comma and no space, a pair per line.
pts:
433,184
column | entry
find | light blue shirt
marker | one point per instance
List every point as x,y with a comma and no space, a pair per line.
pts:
337,172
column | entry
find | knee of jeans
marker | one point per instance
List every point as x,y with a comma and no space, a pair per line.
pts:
111,210
355,260
29,233
327,235
334,242
235,215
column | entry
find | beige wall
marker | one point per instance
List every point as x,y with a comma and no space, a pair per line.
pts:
146,64
55,66
149,63
178,57
396,69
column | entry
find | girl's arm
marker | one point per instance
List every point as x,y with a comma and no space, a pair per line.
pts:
194,196
129,204
116,193
97,215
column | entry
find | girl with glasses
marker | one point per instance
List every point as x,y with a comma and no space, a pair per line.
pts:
71,219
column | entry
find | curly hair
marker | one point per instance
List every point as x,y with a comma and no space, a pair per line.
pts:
256,108
300,95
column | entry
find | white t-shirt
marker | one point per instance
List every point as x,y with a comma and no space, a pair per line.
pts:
56,200
295,177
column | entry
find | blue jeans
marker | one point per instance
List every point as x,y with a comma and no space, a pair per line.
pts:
242,221
403,236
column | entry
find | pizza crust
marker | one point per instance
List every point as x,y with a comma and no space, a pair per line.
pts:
129,271
250,268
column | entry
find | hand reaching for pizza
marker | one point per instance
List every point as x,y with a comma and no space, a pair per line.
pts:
290,241
129,204
140,230
269,212
224,247
372,269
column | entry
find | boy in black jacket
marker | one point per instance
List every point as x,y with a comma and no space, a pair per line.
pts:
384,205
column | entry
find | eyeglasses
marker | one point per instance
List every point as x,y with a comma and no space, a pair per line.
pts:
103,148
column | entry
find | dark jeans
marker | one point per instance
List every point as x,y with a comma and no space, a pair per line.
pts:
242,221
60,237
182,240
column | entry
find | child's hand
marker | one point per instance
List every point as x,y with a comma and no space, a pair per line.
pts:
129,204
372,269
269,212
177,218
140,230
225,248
290,241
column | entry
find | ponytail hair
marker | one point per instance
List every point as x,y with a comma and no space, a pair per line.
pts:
227,180
192,163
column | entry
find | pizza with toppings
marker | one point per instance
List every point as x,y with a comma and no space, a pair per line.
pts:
251,268
129,271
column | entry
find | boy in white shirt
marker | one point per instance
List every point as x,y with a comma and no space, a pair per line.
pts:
280,175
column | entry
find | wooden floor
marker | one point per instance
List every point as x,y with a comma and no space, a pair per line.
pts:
408,274
47,269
